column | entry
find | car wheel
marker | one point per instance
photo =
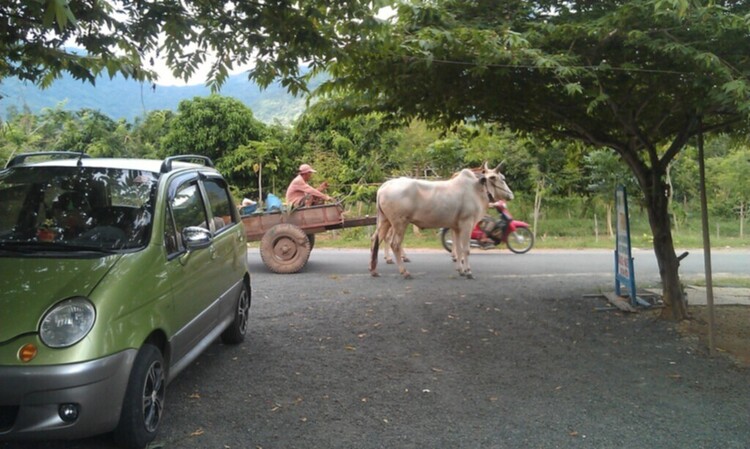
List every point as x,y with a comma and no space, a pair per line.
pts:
144,400
235,333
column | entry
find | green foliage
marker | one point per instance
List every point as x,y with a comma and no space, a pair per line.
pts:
212,126
124,37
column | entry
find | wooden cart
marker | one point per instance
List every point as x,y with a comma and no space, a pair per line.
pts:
286,238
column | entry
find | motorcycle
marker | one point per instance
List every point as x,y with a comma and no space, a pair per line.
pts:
516,234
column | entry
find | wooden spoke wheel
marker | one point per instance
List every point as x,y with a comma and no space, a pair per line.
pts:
285,248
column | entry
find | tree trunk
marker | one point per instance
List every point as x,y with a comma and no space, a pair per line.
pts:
743,213
537,203
657,204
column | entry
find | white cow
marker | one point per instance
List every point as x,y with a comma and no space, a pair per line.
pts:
458,204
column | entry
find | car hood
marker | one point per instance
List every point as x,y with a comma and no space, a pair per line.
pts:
30,286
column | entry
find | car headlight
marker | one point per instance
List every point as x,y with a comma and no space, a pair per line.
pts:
67,323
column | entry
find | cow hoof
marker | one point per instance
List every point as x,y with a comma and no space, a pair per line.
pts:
407,276
389,261
406,259
469,276
461,273
375,274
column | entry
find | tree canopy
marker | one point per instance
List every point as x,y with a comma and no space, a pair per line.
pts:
124,36
641,77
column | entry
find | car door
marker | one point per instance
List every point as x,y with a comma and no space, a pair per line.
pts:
228,264
190,271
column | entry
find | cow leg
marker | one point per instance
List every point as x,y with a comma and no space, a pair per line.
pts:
387,250
464,239
466,251
397,240
454,250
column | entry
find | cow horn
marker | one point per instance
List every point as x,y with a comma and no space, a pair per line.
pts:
499,166
484,166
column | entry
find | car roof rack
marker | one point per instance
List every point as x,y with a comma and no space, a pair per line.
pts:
21,158
166,166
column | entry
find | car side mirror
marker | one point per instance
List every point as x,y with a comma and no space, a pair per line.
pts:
196,237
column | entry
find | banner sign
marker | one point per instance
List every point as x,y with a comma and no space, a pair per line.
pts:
624,273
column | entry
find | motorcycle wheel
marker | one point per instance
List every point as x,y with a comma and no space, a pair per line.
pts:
520,241
446,239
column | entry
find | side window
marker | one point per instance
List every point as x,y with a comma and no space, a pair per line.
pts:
219,202
187,207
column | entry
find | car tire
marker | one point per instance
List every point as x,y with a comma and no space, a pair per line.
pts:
235,333
143,405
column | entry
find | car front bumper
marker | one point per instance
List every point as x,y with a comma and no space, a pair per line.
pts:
31,396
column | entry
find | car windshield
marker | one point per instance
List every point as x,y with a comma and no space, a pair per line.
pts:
75,208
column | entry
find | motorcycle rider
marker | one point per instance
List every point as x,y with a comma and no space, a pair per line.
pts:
496,228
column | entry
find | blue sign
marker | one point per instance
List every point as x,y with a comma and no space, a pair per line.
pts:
624,273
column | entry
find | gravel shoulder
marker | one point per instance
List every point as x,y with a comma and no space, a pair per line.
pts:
338,359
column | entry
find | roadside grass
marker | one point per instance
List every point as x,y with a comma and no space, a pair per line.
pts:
430,239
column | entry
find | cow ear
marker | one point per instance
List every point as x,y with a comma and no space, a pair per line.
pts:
499,166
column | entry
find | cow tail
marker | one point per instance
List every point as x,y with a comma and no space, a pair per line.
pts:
375,243
374,247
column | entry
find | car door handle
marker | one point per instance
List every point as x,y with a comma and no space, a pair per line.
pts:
212,251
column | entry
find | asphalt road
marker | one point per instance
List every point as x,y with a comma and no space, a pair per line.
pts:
520,357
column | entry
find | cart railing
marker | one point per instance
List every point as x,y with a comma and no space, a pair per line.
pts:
311,220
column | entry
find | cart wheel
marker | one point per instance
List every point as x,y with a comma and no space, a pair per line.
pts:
285,248
311,238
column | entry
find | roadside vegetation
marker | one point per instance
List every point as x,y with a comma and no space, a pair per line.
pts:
564,190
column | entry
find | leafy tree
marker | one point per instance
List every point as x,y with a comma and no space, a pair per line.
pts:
124,36
732,183
640,77
605,172
147,133
347,151
212,126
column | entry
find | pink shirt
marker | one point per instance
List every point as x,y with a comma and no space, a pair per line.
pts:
297,190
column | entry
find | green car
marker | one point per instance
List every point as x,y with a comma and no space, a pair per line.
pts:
115,274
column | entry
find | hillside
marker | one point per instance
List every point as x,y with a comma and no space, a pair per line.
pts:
120,98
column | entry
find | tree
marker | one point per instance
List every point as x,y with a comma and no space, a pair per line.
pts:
123,37
605,172
733,183
641,77
212,126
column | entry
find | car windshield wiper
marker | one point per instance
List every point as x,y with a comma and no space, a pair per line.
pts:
18,247
30,247
78,247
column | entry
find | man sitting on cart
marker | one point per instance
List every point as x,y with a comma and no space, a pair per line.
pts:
301,194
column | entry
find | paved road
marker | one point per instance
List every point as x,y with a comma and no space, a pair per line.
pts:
518,358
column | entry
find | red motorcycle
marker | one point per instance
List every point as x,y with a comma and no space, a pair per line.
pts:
490,232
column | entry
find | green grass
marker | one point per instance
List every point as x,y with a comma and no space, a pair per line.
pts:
429,238
718,281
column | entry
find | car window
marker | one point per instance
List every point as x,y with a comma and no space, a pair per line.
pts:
188,208
219,202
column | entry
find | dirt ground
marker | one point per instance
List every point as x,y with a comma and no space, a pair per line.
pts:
731,333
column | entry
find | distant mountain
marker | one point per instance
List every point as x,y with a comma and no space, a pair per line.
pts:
128,99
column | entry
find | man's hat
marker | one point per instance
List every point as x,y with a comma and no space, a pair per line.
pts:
304,168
